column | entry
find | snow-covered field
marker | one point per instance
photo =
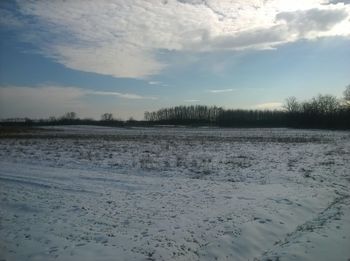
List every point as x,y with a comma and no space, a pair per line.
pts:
95,193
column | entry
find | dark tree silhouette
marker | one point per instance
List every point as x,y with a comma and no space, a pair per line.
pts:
323,111
292,105
347,96
107,117
197,114
69,116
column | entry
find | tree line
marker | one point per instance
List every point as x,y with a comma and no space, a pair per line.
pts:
197,114
323,111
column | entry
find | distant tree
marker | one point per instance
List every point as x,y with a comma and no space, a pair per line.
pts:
107,117
292,105
147,116
326,104
347,96
69,116
321,105
28,122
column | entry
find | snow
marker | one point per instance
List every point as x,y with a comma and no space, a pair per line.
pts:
98,193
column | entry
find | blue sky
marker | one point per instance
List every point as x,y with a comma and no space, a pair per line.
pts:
127,57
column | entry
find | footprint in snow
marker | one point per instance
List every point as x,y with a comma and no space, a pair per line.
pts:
261,220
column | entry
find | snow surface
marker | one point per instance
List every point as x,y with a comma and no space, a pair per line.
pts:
96,193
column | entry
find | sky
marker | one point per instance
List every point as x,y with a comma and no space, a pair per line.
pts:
130,56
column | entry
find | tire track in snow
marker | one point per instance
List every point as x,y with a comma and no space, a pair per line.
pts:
334,211
20,181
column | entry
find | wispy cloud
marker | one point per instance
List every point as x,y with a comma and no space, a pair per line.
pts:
9,20
21,101
154,82
158,83
269,106
122,38
221,91
191,100
121,95
42,101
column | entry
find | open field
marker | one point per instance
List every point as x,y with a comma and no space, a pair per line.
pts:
95,193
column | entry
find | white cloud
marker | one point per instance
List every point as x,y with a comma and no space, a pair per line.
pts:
43,101
221,91
109,59
305,23
269,106
9,20
158,83
122,95
340,1
122,38
154,83
191,100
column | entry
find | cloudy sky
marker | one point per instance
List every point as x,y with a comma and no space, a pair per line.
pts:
128,56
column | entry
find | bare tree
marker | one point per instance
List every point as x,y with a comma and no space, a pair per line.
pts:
69,116
322,104
107,117
292,105
327,103
347,95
